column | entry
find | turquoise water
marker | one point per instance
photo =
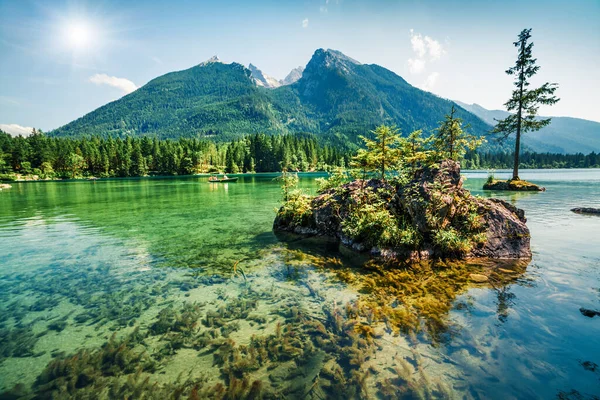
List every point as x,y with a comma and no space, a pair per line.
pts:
194,285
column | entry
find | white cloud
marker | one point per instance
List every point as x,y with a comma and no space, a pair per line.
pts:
157,60
305,23
416,65
434,48
323,9
418,45
16,130
425,49
430,81
120,83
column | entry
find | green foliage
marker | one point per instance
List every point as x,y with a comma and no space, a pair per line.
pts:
47,170
4,168
382,153
466,233
451,141
297,208
289,182
374,225
415,152
52,157
335,180
371,222
452,241
525,102
8,177
503,160
74,165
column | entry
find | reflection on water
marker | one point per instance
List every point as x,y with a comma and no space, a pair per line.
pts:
132,288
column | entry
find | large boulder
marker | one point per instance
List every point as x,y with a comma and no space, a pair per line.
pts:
506,232
433,200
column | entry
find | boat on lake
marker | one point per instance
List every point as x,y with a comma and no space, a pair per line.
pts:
216,179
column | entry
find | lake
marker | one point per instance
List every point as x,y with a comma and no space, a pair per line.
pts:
154,287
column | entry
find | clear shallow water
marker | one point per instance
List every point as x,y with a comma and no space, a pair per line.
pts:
80,261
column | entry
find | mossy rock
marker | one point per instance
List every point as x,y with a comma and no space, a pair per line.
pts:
430,216
478,278
586,210
516,185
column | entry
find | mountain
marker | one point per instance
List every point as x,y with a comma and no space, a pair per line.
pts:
212,99
336,98
564,134
263,79
341,98
293,76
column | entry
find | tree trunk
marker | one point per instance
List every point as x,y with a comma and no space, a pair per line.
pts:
383,160
519,114
517,148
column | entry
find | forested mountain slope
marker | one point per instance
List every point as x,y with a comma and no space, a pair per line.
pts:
337,98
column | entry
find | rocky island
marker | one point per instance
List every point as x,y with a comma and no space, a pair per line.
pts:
430,216
586,210
516,185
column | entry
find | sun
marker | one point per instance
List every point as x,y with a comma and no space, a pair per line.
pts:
78,35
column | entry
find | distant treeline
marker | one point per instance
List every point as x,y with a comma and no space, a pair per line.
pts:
501,160
52,157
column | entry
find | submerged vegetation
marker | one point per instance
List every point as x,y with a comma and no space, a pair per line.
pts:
246,341
412,298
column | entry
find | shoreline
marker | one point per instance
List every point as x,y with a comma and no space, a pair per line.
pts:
301,173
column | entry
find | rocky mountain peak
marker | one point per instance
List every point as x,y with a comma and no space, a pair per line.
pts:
263,79
293,76
213,59
323,61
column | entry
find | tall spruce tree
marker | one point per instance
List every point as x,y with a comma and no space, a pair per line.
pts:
525,102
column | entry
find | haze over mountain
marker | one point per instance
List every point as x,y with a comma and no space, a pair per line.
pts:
563,135
336,98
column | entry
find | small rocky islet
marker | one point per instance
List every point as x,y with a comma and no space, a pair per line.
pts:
514,185
586,210
433,201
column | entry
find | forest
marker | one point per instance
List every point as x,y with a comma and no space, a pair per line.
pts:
529,160
52,157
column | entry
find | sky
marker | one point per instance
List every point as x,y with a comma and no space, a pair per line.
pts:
62,59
